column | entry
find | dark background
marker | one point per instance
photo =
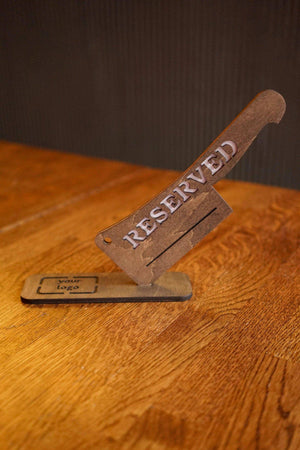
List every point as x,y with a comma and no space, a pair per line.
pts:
151,82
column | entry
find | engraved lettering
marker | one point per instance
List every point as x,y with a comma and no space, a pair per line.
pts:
212,164
67,287
186,189
146,226
158,212
223,153
232,145
135,235
182,194
201,179
67,284
169,202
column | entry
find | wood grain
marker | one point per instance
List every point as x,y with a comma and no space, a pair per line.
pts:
221,370
145,246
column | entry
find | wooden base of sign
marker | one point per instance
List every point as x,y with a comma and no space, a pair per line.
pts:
103,288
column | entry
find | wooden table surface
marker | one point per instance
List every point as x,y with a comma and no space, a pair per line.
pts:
221,370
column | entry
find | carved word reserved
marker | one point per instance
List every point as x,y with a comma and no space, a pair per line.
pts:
214,162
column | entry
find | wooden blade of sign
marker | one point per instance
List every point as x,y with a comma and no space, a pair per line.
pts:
179,231
154,237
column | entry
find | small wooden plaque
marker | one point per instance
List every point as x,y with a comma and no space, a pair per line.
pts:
103,287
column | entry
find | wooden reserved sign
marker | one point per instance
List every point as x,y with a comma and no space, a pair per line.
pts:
149,241
154,237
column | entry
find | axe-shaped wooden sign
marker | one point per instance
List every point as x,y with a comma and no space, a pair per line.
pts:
150,240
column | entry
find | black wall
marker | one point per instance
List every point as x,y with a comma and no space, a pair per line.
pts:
153,81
